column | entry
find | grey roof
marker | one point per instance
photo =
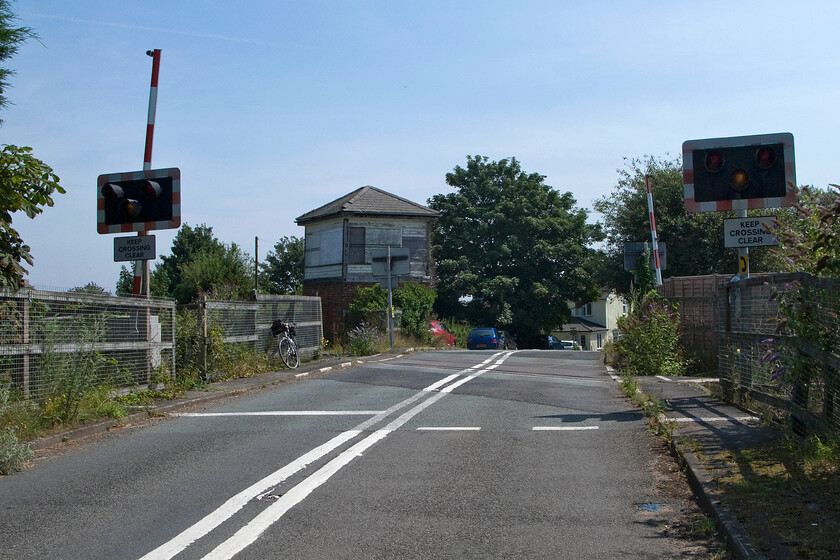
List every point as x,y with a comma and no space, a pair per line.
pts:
582,325
368,201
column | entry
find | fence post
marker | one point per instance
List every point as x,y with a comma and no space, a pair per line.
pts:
25,340
174,374
202,336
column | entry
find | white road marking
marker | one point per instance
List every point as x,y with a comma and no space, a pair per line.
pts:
265,519
683,380
563,428
252,530
279,413
237,502
247,534
683,419
449,428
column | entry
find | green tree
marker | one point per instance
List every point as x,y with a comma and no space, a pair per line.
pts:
187,245
26,183
809,237
514,245
223,272
282,271
11,37
125,283
415,300
695,243
90,288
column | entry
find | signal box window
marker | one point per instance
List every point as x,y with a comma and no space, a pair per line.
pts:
356,245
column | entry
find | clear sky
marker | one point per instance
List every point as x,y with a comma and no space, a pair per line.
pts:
271,108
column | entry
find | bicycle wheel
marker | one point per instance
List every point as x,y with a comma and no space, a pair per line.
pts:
289,353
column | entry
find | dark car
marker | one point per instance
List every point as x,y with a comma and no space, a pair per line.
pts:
440,332
489,337
543,342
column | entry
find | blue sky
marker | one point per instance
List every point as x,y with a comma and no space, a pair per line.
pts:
273,108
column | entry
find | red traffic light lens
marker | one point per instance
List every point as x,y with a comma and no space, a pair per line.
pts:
765,157
112,191
714,161
739,180
133,208
151,189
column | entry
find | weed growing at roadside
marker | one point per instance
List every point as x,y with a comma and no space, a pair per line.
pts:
363,340
13,453
650,339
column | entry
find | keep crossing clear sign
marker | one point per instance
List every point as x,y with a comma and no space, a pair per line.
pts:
749,232
137,248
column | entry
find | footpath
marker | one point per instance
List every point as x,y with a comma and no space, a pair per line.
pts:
701,422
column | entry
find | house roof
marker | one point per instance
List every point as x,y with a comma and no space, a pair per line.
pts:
368,201
582,325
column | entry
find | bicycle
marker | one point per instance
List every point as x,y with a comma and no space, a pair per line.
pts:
286,345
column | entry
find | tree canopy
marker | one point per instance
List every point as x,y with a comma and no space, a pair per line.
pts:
282,271
509,249
695,243
199,263
26,183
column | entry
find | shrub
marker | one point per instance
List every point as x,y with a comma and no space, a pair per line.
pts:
13,454
363,340
650,339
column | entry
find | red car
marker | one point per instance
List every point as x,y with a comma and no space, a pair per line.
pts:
438,330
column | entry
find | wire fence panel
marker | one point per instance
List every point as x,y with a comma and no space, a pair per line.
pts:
762,360
248,323
52,343
737,330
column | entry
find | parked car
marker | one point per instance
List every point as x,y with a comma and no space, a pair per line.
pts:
439,331
489,337
570,345
543,342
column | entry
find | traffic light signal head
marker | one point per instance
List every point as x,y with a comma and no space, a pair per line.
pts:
738,173
139,201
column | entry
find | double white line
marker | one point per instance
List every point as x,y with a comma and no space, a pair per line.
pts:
251,531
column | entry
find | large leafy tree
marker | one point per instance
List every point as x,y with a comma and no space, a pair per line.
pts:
695,243
511,247
199,263
188,244
26,183
282,271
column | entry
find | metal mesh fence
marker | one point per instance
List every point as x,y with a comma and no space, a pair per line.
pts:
52,343
762,359
696,298
248,323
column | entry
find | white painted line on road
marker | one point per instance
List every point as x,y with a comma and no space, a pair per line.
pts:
563,428
391,358
252,530
265,519
279,413
237,502
683,419
449,428
304,374
683,380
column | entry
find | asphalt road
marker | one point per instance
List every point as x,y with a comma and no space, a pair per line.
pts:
455,454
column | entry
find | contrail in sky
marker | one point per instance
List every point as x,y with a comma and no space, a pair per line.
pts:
152,29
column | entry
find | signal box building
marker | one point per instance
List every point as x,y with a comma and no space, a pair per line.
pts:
341,237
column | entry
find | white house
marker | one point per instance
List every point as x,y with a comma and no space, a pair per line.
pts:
594,323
